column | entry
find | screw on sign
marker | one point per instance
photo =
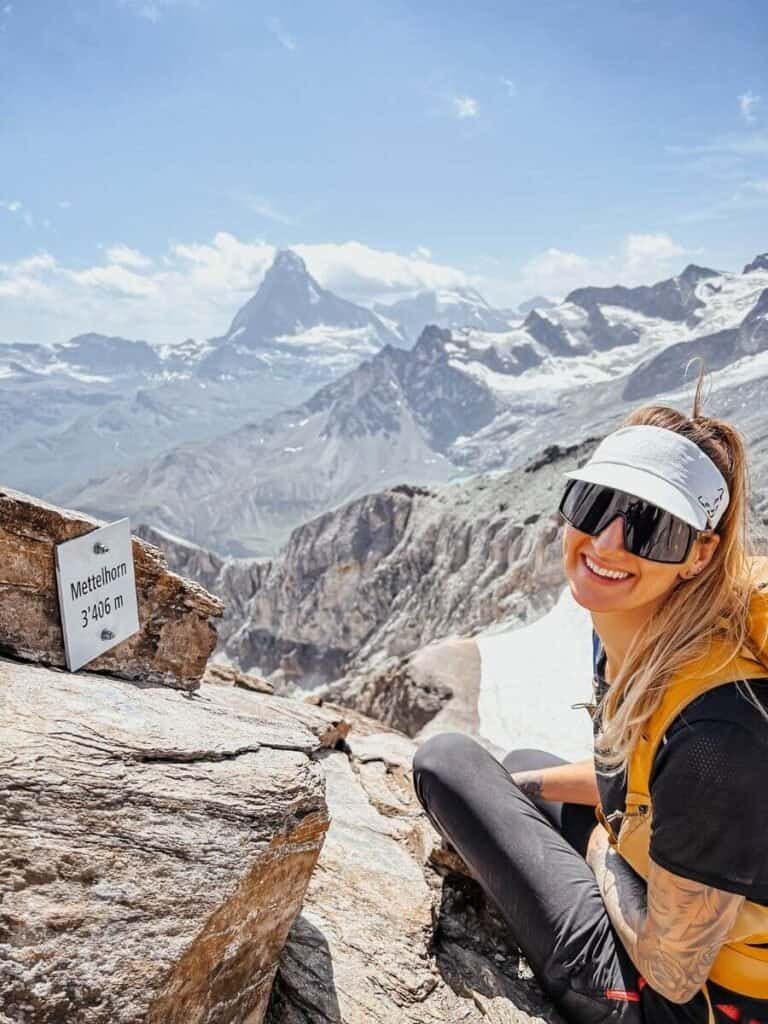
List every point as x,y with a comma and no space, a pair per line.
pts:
97,592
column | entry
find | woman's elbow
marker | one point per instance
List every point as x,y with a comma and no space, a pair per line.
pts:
672,977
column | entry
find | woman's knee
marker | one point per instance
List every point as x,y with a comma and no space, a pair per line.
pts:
529,759
445,753
440,763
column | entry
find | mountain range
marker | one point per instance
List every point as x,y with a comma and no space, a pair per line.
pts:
458,402
96,404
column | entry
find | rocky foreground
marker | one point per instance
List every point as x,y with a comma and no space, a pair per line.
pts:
228,857
178,852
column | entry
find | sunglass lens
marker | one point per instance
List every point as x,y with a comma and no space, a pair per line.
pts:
654,533
649,531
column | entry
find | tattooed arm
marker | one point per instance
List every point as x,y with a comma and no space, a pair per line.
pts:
573,783
673,929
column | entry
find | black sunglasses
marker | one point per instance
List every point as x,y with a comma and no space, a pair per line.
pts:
650,532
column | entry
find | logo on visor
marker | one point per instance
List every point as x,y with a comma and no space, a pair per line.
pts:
711,507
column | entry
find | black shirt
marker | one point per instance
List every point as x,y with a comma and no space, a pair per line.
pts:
709,791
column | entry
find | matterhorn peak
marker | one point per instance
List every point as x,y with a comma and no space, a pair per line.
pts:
288,261
290,302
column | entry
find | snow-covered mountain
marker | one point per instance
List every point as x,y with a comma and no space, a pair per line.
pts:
96,404
537,302
452,308
235,454
458,402
242,493
291,317
760,262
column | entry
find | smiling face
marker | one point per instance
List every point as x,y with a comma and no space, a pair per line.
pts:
643,584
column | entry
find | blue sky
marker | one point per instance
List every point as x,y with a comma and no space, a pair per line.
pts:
153,151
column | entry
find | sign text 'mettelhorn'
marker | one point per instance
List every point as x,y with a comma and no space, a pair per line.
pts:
107,574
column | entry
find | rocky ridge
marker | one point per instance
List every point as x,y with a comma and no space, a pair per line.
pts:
357,592
459,402
387,574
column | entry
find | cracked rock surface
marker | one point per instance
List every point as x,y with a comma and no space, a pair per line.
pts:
229,856
154,847
393,931
176,636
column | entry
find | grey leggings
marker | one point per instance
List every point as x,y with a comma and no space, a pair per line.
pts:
528,855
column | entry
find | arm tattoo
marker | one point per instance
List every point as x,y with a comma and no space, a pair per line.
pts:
687,924
672,929
529,782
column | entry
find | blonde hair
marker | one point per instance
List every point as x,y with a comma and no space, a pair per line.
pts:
713,604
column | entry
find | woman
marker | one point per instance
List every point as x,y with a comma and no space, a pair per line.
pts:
655,547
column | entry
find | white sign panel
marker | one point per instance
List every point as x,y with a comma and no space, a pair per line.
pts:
97,592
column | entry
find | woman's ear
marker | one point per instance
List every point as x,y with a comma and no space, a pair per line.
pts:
703,551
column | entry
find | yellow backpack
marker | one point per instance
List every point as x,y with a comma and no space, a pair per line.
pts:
741,965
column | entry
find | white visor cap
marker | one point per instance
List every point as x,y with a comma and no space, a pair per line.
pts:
662,467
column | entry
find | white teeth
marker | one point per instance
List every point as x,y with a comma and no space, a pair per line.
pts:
606,572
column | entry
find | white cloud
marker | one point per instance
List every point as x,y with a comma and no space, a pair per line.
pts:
367,275
65,204
639,259
465,106
114,281
284,38
510,86
124,256
747,104
194,289
651,250
757,186
265,208
16,206
152,10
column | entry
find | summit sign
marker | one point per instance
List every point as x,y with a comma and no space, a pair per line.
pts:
97,592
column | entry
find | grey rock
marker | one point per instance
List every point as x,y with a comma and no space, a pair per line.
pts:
673,299
155,848
718,350
760,262
389,931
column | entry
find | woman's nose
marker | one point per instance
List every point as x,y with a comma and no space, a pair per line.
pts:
611,537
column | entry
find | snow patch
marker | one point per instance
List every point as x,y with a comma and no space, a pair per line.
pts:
531,675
